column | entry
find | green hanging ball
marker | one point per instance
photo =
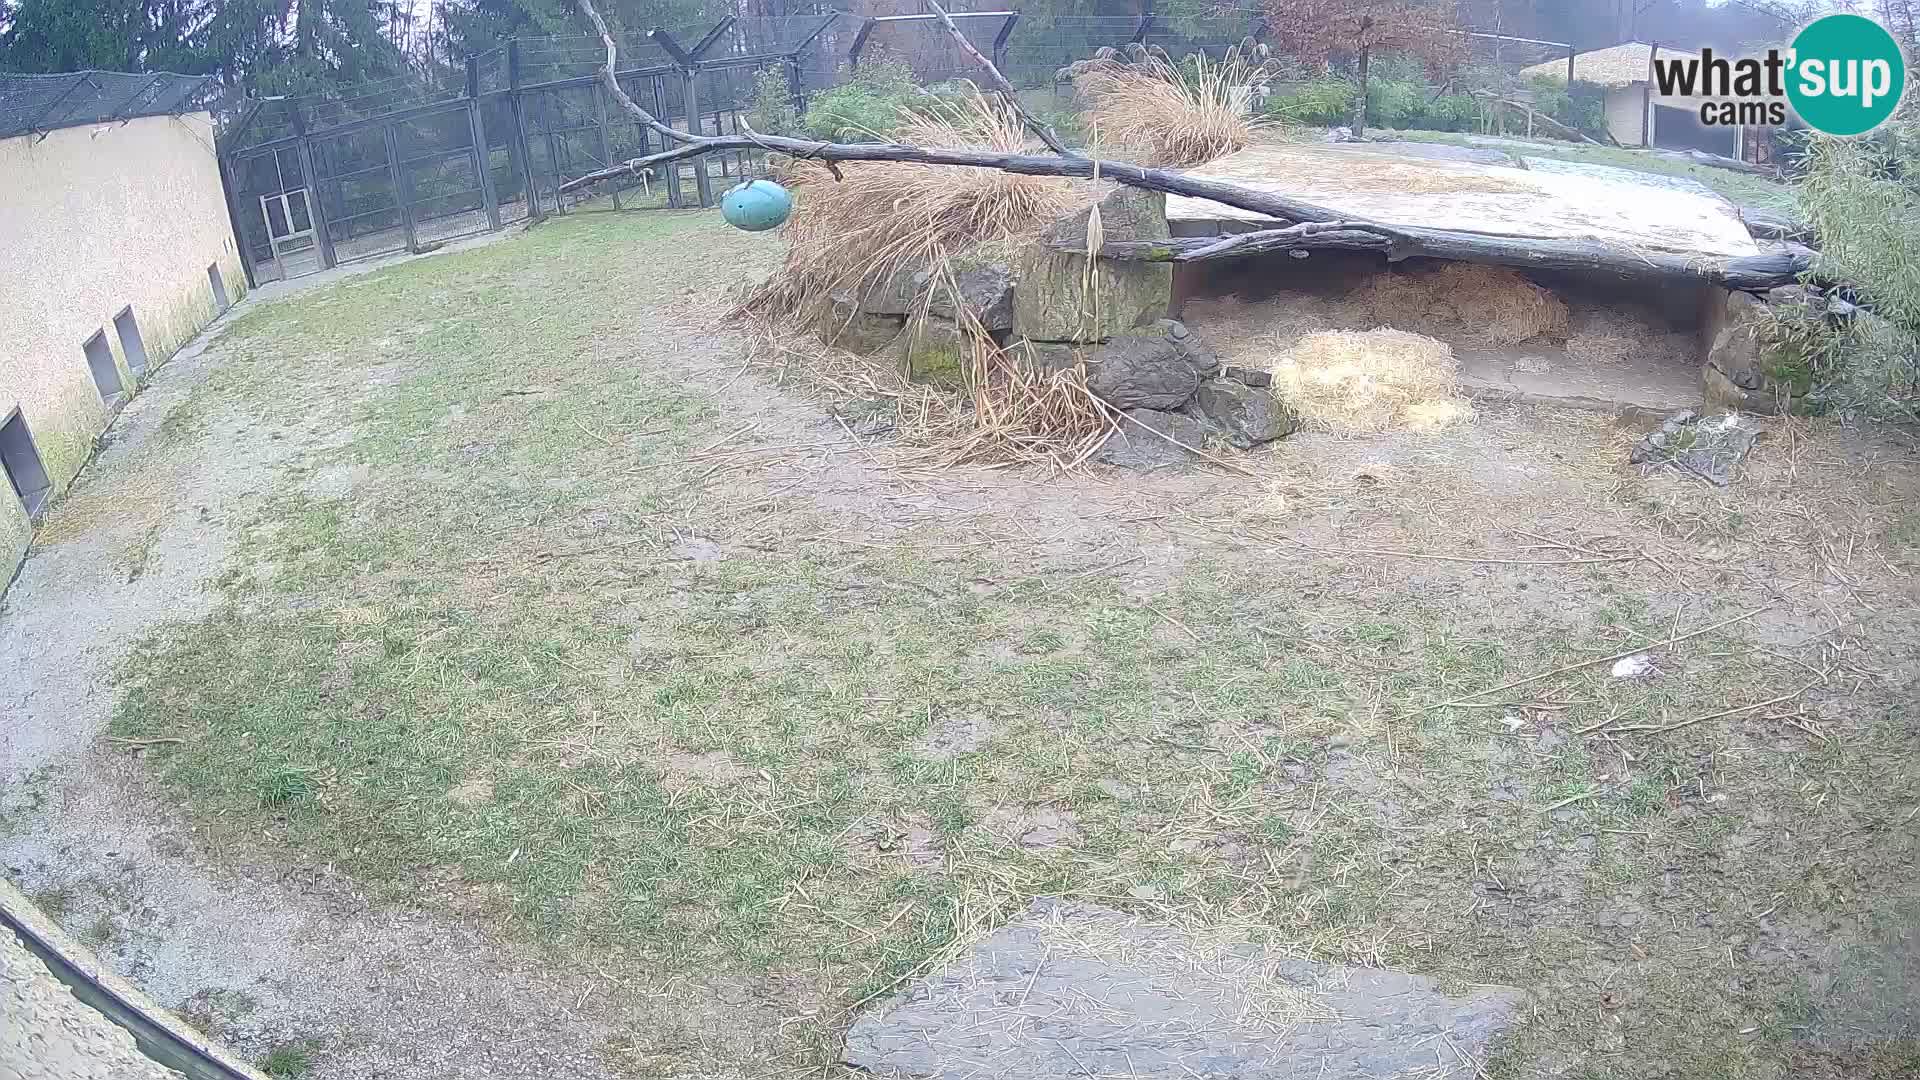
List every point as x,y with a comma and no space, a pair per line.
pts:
756,206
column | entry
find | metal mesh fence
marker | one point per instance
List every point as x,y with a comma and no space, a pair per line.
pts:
41,103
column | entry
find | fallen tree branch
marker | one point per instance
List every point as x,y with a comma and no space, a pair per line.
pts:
1000,83
1750,272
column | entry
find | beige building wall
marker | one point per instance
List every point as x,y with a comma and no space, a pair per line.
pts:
94,219
1624,106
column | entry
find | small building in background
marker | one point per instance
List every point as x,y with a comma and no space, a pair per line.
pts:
115,249
1637,114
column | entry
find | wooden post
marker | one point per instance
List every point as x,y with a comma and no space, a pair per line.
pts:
1569,69
606,144
399,185
482,153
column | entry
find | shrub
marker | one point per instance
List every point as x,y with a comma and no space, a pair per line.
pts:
1395,104
774,111
1863,198
1321,102
868,108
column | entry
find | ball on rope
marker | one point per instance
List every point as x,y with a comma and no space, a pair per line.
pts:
756,206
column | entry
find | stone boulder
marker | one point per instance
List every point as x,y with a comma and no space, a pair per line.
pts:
984,286
1157,367
936,350
1244,415
1051,300
897,294
1133,448
1738,373
847,327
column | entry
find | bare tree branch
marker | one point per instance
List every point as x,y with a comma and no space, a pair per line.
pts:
1000,83
613,84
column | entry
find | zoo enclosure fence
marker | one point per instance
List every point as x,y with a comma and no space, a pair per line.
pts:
412,162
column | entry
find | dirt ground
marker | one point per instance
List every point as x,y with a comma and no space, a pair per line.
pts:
479,668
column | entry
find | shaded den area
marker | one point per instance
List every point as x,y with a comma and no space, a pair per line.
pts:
1573,339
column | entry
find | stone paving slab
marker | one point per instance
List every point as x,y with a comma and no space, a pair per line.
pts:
1076,990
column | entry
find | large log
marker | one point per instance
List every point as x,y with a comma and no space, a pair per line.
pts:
1751,272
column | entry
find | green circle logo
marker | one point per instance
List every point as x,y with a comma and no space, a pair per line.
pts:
1846,74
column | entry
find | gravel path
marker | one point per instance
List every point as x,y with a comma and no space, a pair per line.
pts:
260,956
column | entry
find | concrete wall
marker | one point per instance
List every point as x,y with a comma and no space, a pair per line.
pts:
1623,105
93,219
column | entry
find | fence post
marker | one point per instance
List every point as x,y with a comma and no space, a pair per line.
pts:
672,171
1569,69
399,184
606,143
1000,40
517,143
316,206
482,152
701,181
1140,32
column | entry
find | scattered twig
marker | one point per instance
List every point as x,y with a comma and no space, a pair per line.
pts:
144,742
1174,621
1642,647
1396,553
1570,800
1658,728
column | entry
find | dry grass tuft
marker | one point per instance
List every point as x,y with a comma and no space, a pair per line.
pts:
1010,413
1360,382
1160,114
1489,302
848,235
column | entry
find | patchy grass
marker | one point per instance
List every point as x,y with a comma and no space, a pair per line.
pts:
1743,189
289,1061
776,720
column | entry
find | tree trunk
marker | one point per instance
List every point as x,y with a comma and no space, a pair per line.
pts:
1359,124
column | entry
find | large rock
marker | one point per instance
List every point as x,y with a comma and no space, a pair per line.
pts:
1739,373
935,350
1075,990
1132,447
984,286
1244,416
897,294
1158,367
1051,300
858,331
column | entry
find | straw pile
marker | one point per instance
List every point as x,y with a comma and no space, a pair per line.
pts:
1360,382
1487,302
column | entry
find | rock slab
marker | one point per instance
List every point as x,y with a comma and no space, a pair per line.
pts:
1074,989
1139,441
1157,367
1051,298
1707,446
